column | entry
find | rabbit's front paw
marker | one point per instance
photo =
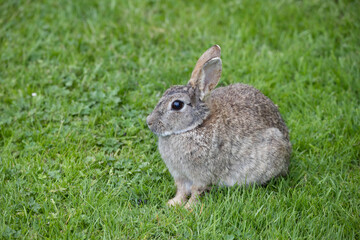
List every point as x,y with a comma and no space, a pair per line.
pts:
175,201
192,202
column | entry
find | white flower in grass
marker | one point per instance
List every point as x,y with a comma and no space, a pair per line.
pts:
34,94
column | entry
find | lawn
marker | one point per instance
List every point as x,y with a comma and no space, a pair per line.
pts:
78,78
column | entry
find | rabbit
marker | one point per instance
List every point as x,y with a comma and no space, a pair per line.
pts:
224,136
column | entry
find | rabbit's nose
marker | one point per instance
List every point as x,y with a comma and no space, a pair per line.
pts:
148,121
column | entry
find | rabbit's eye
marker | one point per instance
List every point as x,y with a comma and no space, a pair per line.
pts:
177,105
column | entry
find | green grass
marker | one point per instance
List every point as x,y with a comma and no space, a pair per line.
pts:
77,160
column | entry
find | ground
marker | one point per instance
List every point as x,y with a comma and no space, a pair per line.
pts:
78,78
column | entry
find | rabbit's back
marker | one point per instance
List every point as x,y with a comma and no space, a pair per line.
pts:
243,110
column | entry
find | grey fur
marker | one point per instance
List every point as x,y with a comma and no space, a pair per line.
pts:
235,135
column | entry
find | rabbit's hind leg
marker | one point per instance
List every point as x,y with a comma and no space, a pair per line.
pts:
261,158
273,153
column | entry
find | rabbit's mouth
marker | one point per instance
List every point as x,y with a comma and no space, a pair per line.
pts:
169,133
157,127
160,133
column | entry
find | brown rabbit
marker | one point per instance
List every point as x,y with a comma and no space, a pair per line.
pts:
230,135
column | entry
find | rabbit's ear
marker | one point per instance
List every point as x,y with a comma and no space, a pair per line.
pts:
209,76
213,52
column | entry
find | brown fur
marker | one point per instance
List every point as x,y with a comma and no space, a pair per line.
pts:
231,135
